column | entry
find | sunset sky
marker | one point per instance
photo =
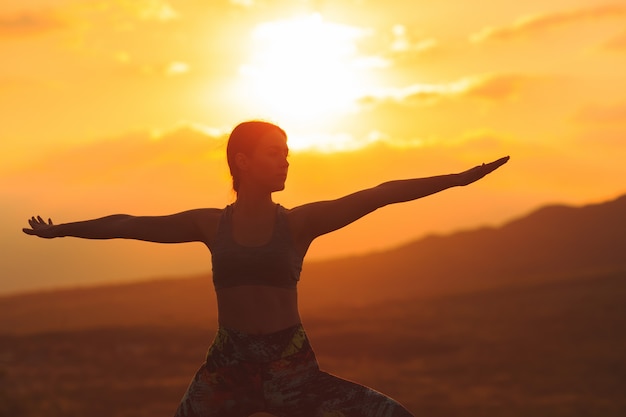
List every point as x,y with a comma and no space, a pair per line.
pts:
124,106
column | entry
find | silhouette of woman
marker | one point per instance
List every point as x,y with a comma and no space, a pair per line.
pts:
261,359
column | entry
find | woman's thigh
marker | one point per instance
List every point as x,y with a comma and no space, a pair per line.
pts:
326,395
337,397
232,391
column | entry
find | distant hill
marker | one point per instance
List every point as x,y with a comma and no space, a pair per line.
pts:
550,244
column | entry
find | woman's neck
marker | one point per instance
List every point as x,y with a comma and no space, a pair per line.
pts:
253,202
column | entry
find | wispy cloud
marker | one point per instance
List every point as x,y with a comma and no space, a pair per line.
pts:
160,10
156,10
30,23
177,68
132,156
491,87
245,3
540,22
35,22
618,43
603,115
416,93
497,87
129,68
403,41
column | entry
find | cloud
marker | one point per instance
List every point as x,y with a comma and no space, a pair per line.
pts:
156,10
30,23
537,23
415,94
494,87
244,3
618,43
603,115
20,84
404,42
160,10
128,67
177,68
133,157
497,87
399,45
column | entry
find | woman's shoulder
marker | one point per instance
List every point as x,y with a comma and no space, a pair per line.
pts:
297,218
206,213
208,219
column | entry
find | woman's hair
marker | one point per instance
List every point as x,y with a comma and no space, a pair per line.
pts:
244,139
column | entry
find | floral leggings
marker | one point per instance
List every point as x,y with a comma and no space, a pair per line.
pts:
276,373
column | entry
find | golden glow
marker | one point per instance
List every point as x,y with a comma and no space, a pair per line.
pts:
136,99
304,69
325,143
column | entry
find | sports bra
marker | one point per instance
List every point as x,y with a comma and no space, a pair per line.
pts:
274,264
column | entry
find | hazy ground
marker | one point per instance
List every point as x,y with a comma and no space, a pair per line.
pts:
544,350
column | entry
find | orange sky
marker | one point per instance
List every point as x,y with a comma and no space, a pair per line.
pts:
123,106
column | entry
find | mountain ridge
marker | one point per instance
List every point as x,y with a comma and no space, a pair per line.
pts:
550,243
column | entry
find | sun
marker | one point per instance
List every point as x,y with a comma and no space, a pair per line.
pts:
304,69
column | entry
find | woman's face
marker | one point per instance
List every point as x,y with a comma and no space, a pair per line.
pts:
268,165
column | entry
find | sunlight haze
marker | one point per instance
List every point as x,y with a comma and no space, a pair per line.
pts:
125,107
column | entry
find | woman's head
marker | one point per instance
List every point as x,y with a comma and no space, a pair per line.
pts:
244,141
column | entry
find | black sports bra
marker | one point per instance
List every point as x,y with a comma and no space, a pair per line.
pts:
275,264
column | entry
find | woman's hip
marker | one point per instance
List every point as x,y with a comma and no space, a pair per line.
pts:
233,346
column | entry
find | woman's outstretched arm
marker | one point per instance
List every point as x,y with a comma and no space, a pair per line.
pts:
322,217
187,226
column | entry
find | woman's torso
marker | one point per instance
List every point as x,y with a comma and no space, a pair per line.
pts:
255,309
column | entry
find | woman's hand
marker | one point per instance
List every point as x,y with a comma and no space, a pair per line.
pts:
476,173
40,228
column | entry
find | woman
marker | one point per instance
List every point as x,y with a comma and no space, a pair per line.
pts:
260,359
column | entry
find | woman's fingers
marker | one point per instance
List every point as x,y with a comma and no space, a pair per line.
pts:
501,161
492,166
39,223
479,171
40,227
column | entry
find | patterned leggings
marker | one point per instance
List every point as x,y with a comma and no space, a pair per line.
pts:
276,373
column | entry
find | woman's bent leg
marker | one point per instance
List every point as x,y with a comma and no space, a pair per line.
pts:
225,385
232,391
341,398
276,373
294,386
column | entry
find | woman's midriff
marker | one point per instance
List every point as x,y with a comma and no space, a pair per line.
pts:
257,309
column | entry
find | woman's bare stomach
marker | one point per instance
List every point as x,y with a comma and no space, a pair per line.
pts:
257,309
